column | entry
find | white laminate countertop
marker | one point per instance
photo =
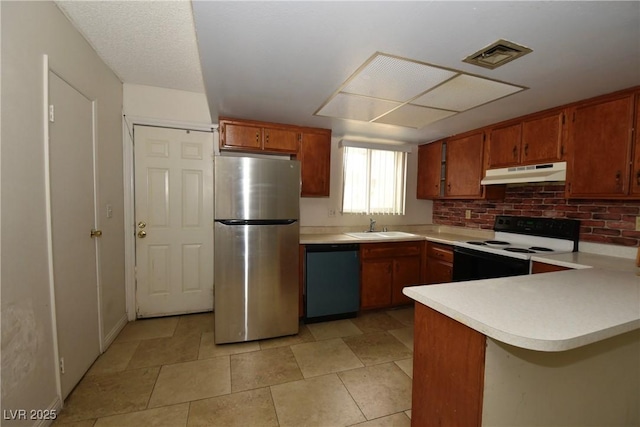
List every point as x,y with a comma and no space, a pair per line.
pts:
448,238
547,312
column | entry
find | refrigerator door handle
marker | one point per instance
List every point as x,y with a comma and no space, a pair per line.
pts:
256,221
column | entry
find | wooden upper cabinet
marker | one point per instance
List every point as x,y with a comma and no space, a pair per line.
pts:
248,135
315,158
635,167
504,146
284,140
312,146
534,140
240,135
464,170
599,140
542,139
429,170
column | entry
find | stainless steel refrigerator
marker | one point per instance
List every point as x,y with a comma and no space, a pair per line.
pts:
256,238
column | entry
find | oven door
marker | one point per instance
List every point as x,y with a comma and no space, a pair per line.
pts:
469,264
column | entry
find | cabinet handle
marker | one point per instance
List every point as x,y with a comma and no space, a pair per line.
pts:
526,149
618,174
258,137
561,150
515,152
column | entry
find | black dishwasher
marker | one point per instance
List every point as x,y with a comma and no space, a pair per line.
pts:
332,281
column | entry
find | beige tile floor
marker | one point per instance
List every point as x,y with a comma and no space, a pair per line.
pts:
169,372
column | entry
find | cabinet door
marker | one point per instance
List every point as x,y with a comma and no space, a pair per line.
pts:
542,139
280,140
406,272
464,166
315,164
429,170
600,144
439,271
377,276
236,135
635,168
541,267
504,146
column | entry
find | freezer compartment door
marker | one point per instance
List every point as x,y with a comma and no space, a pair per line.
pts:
256,281
255,188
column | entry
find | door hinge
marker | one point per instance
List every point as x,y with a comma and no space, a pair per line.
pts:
62,365
51,114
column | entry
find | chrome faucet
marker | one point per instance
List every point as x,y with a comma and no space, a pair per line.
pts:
372,225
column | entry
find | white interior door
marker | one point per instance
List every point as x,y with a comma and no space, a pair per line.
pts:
174,221
71,163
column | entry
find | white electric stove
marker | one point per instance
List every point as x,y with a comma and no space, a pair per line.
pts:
515,241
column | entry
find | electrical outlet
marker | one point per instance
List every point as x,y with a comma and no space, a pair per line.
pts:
467,214
332,212
638,223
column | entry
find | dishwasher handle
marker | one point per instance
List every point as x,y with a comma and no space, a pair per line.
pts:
333,247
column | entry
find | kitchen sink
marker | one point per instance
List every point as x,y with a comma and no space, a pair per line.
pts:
381,235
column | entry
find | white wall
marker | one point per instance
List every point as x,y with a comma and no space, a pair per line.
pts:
29,31
165,104
315,211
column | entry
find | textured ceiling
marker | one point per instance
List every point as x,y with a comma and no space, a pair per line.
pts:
144,42
281,60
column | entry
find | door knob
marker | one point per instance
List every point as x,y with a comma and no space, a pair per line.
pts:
96,233
142,234
142,224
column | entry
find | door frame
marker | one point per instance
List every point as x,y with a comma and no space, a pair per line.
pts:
128,122
46,68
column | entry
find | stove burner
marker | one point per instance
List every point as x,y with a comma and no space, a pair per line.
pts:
540,249
497,242
477,243
520,250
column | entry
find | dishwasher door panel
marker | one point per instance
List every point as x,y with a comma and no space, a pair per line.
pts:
332,284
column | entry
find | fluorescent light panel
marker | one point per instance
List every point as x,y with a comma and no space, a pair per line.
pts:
397,91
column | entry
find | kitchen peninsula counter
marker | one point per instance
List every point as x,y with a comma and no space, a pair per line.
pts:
546,312
557,348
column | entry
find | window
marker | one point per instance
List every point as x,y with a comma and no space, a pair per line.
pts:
374,180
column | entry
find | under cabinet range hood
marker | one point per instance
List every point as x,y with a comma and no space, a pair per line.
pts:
525,174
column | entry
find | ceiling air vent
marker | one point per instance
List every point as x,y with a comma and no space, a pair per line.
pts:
497,54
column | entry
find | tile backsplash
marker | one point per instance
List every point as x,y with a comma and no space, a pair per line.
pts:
602,221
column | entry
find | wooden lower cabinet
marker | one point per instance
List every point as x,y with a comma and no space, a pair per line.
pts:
463,378
439,268
541,267
386,268
448,371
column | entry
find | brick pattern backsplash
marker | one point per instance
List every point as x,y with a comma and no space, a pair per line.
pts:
601,221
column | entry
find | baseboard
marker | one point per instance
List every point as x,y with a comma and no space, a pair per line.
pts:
108,339
48,417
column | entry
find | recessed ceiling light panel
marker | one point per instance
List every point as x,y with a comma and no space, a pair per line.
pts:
464,92
356,107
395,79
413,116
396,91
